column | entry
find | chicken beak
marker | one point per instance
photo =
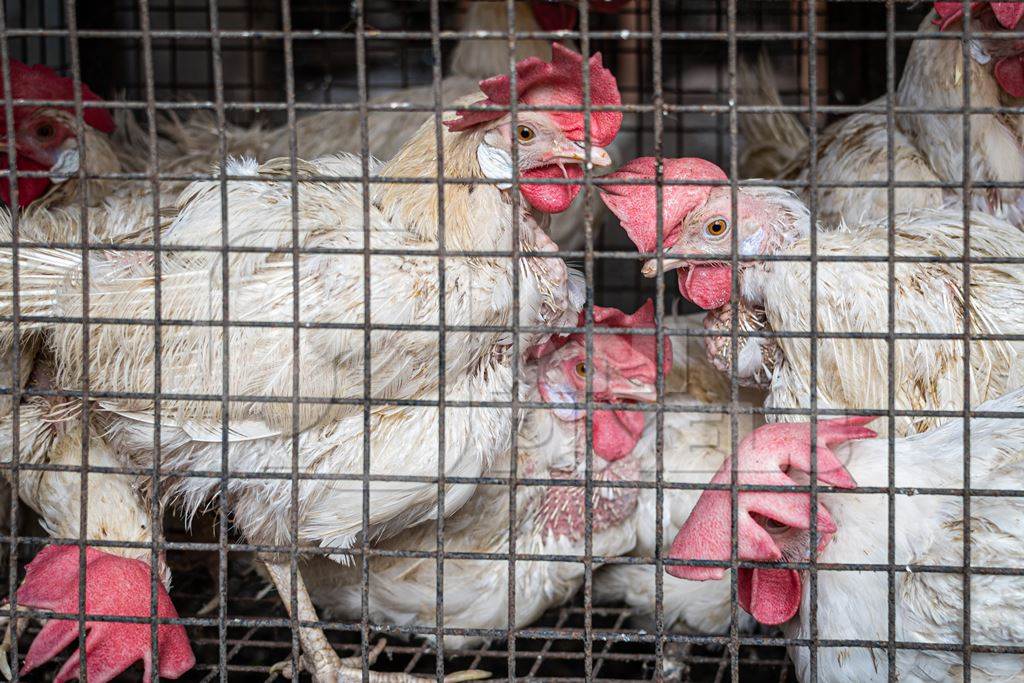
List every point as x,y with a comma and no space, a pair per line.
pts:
637,390
575,153
650,268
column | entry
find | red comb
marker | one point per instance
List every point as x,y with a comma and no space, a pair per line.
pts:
40,82
1007,13
558,83
764,458
114,587
636,205
633,345
624,346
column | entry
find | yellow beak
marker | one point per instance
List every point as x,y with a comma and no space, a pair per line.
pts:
576,154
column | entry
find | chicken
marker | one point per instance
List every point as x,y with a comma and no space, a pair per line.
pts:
852,296
696,443
46,141
549,519
325,372
118,577
927,147
853,605
332,131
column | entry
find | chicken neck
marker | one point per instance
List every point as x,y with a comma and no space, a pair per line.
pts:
933,78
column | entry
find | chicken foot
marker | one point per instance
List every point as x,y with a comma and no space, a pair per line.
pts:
317,654
285,668
12,632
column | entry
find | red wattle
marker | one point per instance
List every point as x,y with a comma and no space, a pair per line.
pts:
551,198
707,286
772,596
616,433
1009,73
29,189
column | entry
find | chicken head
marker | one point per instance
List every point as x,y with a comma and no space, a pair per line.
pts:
772,525
697,222
623,369
551,145
992,17
44,136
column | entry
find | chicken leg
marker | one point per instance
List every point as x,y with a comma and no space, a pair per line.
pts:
317,653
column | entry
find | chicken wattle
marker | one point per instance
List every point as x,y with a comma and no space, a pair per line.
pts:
853,602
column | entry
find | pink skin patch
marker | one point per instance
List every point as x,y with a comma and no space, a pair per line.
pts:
564,511
115,586
551,198
708,286
766,458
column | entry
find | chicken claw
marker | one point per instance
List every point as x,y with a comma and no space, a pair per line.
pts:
116,587
5,646
320,658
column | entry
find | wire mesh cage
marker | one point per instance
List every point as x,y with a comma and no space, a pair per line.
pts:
314,366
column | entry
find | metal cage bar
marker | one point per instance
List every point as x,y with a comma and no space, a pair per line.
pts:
684,96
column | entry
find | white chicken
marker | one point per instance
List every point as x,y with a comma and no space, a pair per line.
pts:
927,147
326,430
852,295
696,442
332,131
853,604
50,202
549,519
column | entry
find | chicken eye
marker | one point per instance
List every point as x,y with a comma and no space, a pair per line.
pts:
525,133
45,131
716,228
581,369
770,525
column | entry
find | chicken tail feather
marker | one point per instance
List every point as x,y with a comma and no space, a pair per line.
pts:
772,141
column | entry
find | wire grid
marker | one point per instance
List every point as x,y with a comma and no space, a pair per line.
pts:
169,43
549,649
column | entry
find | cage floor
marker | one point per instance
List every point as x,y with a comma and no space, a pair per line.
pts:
250,650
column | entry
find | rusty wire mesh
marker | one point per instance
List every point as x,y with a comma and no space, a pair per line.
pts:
250,60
